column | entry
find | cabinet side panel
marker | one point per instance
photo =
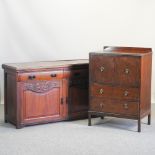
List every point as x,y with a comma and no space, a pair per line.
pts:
65,97
145,98
10,97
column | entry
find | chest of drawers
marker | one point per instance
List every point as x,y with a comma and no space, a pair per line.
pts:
120,83
42,92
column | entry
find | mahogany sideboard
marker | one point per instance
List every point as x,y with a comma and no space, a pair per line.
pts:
120,83
42,92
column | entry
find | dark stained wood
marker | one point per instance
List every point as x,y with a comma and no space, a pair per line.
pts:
39,94
146,63
102,69
114,92
78,92
128,70
130,50
114,106
127,94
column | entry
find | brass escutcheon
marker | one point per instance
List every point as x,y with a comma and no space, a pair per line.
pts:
101,91
126,93
125,106
102,68
126,71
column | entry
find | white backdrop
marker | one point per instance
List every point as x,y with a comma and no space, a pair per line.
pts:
34,30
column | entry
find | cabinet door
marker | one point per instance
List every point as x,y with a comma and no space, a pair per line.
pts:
101,68
127,71
41,101
78,98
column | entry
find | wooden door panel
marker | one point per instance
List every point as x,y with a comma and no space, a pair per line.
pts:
41,105
102,69
41,100
127,71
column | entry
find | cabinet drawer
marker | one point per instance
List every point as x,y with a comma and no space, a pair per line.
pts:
127,71
50,75
113,92
102,68
76,73
114,106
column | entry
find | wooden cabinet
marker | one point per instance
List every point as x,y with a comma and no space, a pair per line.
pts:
120,83
45,92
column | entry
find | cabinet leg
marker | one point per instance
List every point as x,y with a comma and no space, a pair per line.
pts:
89,119
139,125
5,120
149,119
102,117
19,126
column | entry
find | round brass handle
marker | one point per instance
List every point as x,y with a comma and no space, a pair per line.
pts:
102,68
53,75
125,106
126,71
126,93
101,91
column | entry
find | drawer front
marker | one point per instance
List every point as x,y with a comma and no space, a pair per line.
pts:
50,75
114,106
127,71
101,68
76,73
111,92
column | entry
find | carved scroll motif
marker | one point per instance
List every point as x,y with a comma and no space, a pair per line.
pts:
41,87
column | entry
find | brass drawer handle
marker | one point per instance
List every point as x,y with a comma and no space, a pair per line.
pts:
101,105
53,75
126,106
126,71
126,93
31,77
102,68
101,91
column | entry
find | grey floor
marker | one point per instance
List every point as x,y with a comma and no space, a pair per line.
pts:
111,136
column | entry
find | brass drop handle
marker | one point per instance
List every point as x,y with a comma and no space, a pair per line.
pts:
53,75
102,68
126,93
125,106
101,105
101,91
126,70
31,77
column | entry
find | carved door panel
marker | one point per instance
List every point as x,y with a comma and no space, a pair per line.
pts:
41,101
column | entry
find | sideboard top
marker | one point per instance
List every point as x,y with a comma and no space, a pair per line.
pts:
44,64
